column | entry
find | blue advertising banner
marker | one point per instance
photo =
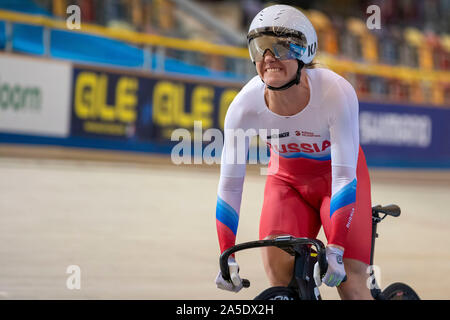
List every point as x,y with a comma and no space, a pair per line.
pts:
123,107
405,136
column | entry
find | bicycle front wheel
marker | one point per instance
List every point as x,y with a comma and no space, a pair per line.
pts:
400,291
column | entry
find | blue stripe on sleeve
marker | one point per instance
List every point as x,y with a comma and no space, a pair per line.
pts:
343,197
227,215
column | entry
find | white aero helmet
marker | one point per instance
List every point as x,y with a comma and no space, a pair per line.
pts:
296,36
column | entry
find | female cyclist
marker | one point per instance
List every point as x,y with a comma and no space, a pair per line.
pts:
321,177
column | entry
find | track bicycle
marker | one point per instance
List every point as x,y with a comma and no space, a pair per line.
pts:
309,251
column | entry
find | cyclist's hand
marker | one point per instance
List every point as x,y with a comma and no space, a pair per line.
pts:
335,272
236,283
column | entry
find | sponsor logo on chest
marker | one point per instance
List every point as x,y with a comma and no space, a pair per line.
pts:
298,133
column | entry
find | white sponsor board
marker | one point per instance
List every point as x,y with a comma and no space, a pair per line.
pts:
34,96
395,129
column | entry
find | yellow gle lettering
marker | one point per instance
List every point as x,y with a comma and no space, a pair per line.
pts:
164,102
126,99
169,107
91,93
105,111
85,89
202,106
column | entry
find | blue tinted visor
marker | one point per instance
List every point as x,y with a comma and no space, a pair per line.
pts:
283,48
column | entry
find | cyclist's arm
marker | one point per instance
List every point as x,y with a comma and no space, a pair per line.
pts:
344,134
232,172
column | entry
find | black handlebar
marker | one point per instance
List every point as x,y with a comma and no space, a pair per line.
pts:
286,243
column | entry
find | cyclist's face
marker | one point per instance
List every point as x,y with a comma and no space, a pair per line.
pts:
276,72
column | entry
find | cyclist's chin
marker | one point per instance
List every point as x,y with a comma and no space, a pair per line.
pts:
275,81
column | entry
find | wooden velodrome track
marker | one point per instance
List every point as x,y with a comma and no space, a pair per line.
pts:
141,228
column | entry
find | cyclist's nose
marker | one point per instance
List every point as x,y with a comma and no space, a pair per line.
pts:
268,56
